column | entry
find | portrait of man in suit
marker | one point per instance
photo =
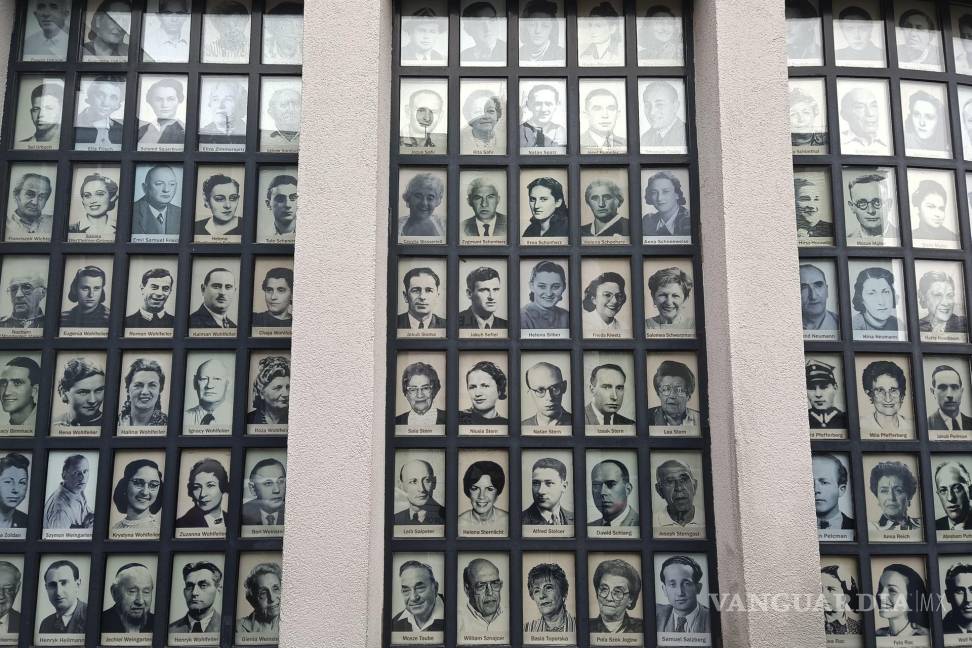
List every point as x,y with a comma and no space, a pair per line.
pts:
424,607
278,295
282,202
207,486
211,382
958,593
480,21
604,198
133,591
953,486
830,481
484,290
62,582
821,391
156,290
674,384
221,197
421,294
268,485
417,480
164,98
81,388
947,390
46,102
19,384
814,295
156,212
607,395
202,591
661,105
676,484
681,578
263,590
543,128
27,220
10,582
487,221
610,488
424,42
547,388
548,483
219,296
670,216
601,108
618,585
27,291
94,127
421,385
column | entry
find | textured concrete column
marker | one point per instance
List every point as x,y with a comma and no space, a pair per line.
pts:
333,543
764,511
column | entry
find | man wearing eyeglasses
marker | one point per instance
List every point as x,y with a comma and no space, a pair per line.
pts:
674,383
421,385
547,388
618,586
483,619
268,484
871,203
27,292
953,486
675,483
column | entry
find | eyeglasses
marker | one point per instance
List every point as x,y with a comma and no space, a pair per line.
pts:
26,289
886,394
874,203
141,483
556,390
616,594
495,586
667,390
414,391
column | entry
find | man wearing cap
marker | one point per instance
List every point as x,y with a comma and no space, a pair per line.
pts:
821,391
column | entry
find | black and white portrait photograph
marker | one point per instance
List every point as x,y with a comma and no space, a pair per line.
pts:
604,215
607,284
863,106
165,31
420,405
276,204
826,398
543,34
32,187
894,499
877,292
953,490
667,211
483,298
955,577
15,471
662,117
813,207
20,377
268,408
965,115
99,112
924,108
482,33
423,116
546,498
218,217
11,606
612,481
545,300
660,33
484,393
549,608
841,591
901,594
70,495
673,400
678,507
484,508
808,116
833,498
61,612
425,33
135,511
870,207
948,404
128,599
419,506
804,34
543,116
86,296
273,297
483,124
93,213
79,394
157,207
600,33
545,400
264,493
615,602
151,298
858,33
818,299
483,215
962,38
483,598
422,300
422,208
885,397
203,490
208,401
918,36
213,302
22,311
40,104
259,598
196,599
222,113
933,209
161,112
603,117
107,31
609,393
669,304
226,31
942,315
417,583
544,218
682,617
280,114
143,401
283,32
46,30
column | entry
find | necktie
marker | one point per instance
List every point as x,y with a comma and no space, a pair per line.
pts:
540,141
823,524
607,419
197,627
162,221
955,424
487,326
102,138
226,323
485,230
271,518
208,419
428,140
680,624
607,141
421,325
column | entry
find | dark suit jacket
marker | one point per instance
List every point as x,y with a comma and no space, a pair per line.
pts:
593,418
435,514
937,422
941,524
18,521
75,318
111,621
665,623
468,321
144,222
174,133
435,322
846,522
630,624
621,227
89,135
683,224
440,418
199,228
13,621
135,320
76,625
251,514
559,226
184,625
266,320
194,519
954,324
532,515
564,419
469,227
202,319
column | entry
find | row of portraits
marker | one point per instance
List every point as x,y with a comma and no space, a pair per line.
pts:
95,212
65,613
542,33
106,31
618,593
134,500
151,299
424,121
544,398
101,113
79,387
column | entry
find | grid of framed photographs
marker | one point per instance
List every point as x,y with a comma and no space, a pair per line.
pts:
150,161
547,440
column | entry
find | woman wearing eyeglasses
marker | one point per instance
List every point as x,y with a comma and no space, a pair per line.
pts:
137,496
617,586
885,384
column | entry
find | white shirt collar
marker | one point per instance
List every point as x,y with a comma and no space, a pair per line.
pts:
553,515
616,522
66,617
414,323
438,612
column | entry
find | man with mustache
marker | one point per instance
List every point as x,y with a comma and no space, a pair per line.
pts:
947,389
421,385
486,221
958,593
547,388
203,585
421,294
50,43
604,198
548,484
218,293
156,212
156,290
211,382
268,484
62,582
82,389
821,391
829,485
543,104
284,111
675,483
952,485
674,383
278,293
607,396
862,112
88,292
164,98
221,196
27,221
483,614
27,293
610,488
10,581
601,107
870,200
263,590
67,507
19,383
132,590
484,292
814,293
417,480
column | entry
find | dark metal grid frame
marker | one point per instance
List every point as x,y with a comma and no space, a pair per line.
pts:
452,252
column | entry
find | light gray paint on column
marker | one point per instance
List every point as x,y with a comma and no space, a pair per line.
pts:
762,479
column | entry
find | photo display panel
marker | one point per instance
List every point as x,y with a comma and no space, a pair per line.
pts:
149,151
547,437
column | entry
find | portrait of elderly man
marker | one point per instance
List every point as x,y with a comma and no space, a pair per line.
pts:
421,385
548,588
164,98
936,294
281,201
19,384
268,485
547,388
681,578
421,295
606,386
225,107
485,130
49,40
886,387
278,295
617,585
807,129
424,42
604,29
894,486
419,129
664,194
486,29
548,483
544,107
271,392
484,199
484,290
424,607
830,480
165,38
814,295
867,122
540,34
10,582
417,480
601,109
670,290
858,28
62,583
604,198
132,590
27,220
211,382
142,403
282,130
218,290
808,196
156,290
840,601
202,590
27,290
423,195
610,489
952,486
674,383
46,103
676,484
661,107
871,201
958,594
95,127
221,198
207,486
263,589
156,212
821,392
67,507
14,481
82,389
88,292
483,613
926,126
